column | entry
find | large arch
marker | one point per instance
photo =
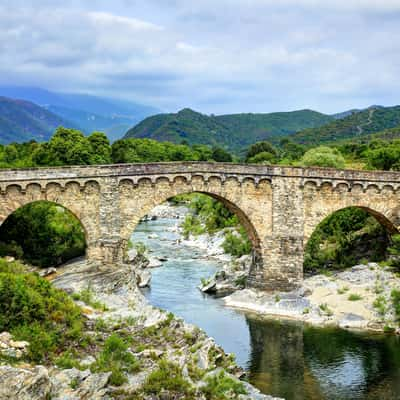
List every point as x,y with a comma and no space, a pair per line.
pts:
250,202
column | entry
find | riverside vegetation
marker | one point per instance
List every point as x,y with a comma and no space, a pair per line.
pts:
61,332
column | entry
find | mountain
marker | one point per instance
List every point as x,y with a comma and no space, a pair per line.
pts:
89,113
22,121
371,120
234,131
345,114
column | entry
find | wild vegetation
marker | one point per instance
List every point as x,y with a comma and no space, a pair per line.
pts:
42,234
32,310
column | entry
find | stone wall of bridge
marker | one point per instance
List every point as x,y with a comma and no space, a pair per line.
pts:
280,207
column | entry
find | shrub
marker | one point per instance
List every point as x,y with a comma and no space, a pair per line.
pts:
354,297
237,243
168,376
116,358
222,387
323,156
33,310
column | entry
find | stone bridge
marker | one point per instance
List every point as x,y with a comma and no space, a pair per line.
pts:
279,206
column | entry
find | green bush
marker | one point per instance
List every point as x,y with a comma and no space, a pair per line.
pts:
222,387
33,310
168,376
323,156
237,243
116,358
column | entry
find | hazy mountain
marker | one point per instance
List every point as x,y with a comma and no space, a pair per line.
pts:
87,112
233,131
22,121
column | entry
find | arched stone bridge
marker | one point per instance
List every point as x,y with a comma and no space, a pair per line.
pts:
279,206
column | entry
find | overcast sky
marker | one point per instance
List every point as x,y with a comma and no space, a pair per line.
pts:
216,56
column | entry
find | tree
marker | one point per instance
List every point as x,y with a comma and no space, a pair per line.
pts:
261,147
323,156
221,155
262,158
100,148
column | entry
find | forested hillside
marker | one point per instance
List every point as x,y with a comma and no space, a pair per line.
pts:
358,124
23,121
233,132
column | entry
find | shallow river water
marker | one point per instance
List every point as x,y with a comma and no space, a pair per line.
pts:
284,358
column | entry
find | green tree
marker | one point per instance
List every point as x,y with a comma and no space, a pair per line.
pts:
261,147
323,156
221,155
100,148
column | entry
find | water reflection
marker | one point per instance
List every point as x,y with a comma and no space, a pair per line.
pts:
298,362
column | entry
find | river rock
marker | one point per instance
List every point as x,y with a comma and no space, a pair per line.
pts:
144,278
352,321
154,263
72,384
24,383
210,287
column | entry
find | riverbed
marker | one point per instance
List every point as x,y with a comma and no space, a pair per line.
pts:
283,358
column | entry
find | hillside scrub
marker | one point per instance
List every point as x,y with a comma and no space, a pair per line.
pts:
33,310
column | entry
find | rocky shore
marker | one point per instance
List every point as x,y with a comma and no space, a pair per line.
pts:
175,360
357,298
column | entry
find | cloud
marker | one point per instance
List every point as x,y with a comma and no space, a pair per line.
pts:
225,56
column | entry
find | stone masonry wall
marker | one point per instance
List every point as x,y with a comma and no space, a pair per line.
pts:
280,207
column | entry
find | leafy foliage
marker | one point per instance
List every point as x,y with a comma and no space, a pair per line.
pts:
116,358
32,310
43,234
323,156
345,238
222,387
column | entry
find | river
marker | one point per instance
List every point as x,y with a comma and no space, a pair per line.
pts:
283,358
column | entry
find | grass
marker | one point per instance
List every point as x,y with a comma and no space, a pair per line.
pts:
354,297
87,296
343,290
222,387
380,304
324,307
168,377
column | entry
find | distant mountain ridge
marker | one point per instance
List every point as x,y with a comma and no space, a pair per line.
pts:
234,131
371,120
87,112
22,121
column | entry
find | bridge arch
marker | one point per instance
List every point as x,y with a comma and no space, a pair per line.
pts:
11,230
138,199
312,244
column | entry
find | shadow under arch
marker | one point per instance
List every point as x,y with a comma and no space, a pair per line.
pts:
233,208
5,220
388,227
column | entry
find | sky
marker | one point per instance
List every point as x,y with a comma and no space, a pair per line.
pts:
215,56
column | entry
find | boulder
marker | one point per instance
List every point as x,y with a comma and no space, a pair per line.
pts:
144,278
72,384
210,287
24,383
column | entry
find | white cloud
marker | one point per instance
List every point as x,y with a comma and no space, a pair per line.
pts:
254,55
